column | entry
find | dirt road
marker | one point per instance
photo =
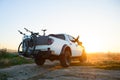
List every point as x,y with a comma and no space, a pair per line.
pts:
53,71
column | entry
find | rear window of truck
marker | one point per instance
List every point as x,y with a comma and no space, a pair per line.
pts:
60,36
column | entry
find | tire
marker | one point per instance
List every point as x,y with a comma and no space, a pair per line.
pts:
39,60
83,57
65,58
19,52
26,53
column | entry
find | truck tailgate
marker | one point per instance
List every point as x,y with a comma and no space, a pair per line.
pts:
42,40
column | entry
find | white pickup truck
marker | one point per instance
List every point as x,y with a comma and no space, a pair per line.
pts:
60,47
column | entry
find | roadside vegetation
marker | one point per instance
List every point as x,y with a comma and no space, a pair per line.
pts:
110,61
9,59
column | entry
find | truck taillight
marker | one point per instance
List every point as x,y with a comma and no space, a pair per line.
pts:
50,41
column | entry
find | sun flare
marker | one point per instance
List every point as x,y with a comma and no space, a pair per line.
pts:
93,45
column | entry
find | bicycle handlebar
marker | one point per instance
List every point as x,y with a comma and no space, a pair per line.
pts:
21,32
32,33
28,30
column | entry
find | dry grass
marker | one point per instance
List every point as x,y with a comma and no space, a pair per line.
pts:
98,60
9,59
102,61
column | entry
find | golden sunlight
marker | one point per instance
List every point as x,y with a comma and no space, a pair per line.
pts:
93,45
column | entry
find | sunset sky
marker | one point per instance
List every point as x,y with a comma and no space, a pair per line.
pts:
96,21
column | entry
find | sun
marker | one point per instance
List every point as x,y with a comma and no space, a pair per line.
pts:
93,45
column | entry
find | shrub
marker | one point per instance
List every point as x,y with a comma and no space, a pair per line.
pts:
10,59
3,53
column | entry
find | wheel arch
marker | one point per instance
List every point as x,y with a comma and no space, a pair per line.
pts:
64,48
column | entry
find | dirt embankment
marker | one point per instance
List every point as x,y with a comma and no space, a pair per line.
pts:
53,71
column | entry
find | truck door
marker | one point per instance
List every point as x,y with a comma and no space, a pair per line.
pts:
74,46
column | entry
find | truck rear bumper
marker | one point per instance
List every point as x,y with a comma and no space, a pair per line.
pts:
47,54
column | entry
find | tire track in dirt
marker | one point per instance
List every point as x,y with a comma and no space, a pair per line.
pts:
26,71
57,72
53,71
78,73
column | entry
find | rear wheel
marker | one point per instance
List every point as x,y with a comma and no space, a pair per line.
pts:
39,60
83,57
65,58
